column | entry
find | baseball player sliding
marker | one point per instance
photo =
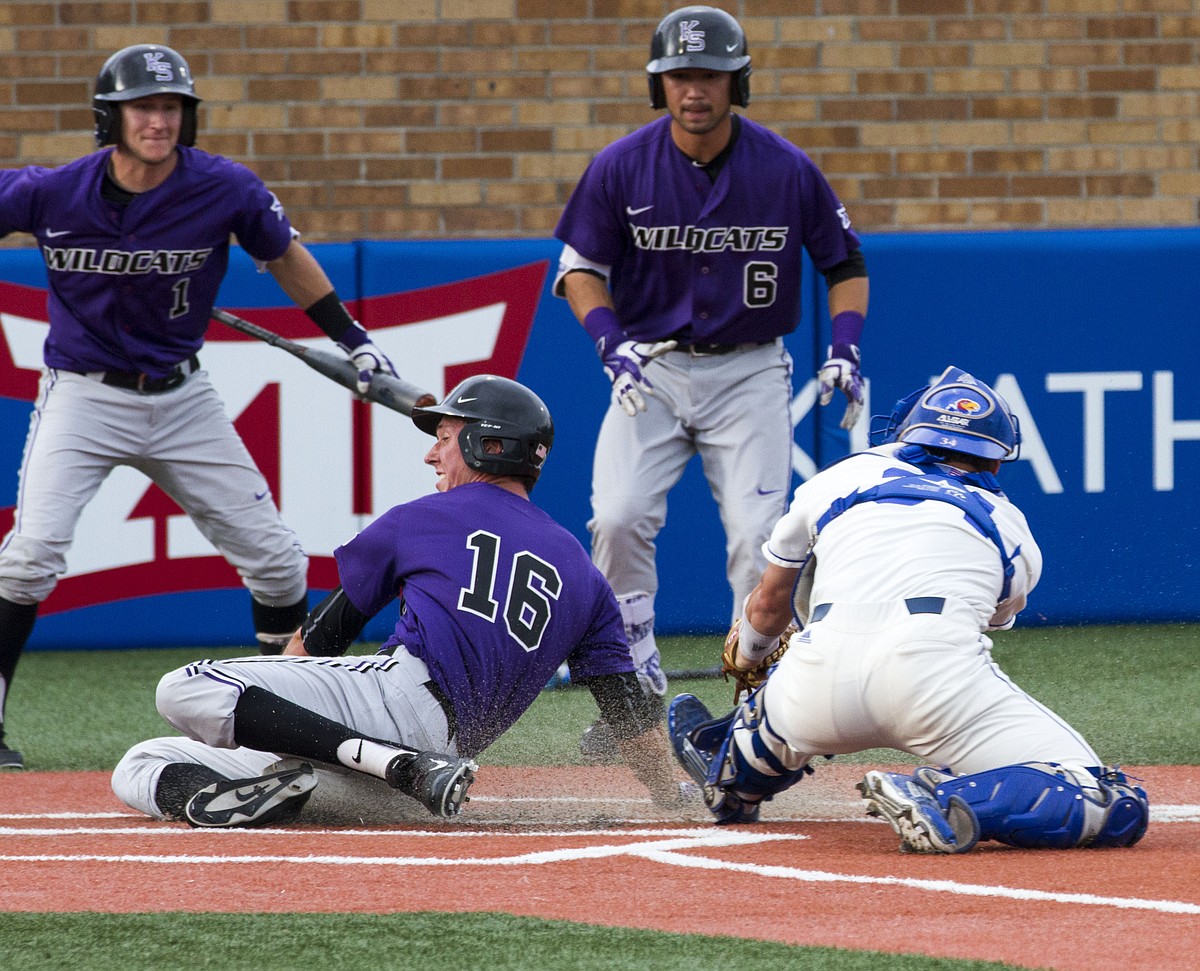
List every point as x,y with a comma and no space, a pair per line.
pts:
136,242
682,260
899,559
494,596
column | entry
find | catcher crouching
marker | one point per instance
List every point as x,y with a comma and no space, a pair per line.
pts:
898,561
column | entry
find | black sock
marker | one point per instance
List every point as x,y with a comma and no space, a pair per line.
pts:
178,782
278,620
264,721
16,624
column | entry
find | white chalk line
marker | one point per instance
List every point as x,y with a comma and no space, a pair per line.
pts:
665,851
1158,814
941,886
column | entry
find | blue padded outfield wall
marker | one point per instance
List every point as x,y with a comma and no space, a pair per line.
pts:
1089,334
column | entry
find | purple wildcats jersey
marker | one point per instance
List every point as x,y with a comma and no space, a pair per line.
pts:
132,287
716,261
496,595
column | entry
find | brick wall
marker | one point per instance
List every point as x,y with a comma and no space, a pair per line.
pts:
418,118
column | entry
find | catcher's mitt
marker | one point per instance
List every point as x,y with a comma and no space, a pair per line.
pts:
749,679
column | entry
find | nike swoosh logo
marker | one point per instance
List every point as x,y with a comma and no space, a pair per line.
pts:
438,764
356,758
252,794
260,495
633,212
768,492
731,47
54,233
462,400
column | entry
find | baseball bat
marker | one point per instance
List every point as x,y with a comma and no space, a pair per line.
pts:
384,389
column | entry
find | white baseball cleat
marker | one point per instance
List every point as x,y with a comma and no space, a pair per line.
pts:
913,812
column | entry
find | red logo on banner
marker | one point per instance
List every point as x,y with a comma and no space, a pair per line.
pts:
436,337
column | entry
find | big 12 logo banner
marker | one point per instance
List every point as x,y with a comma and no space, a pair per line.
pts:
333,462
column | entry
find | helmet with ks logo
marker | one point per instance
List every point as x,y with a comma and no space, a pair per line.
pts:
138,72
496,409
699,37
958,413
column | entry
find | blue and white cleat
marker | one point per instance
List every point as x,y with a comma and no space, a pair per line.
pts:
911,809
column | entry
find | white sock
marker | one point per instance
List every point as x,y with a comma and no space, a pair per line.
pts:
637,611
363,755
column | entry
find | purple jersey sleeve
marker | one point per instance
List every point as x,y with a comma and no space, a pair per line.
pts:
132,287
708,261
494,597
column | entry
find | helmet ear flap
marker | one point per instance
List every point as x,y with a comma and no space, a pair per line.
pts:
658,97
187,130
741,87
108,123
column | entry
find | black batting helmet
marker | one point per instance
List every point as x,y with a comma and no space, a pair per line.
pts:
496,409
702,37
138,72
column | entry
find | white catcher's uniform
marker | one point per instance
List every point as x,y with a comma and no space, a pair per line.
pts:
867,672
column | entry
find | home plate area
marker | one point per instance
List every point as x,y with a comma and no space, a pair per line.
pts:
585,844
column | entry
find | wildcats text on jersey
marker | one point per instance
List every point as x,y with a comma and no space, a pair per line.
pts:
718,239
80,259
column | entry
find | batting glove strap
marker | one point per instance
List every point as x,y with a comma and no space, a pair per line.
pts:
365,356
623,358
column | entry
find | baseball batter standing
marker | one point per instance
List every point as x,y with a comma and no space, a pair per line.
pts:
136,243
899,559
682,260
494,597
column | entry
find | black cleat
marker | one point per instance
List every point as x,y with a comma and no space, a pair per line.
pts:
10,758
438,782
274,798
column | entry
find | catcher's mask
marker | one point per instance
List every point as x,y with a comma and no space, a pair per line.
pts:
500,410
700,37
138,72
958,413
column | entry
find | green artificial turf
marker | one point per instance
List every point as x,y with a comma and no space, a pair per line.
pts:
1130,690
396,942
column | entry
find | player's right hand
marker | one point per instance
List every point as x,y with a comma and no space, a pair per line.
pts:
370,360
623,364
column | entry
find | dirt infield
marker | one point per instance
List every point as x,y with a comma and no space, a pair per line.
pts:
584,845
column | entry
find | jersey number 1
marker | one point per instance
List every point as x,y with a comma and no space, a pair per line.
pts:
532,586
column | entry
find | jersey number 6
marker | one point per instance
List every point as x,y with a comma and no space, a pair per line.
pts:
758,287
531,587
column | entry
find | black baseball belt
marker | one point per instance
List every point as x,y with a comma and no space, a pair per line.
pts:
715,350
143,383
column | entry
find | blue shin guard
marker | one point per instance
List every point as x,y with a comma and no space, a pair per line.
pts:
1045,805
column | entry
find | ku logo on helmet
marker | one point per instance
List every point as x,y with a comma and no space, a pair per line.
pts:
966,405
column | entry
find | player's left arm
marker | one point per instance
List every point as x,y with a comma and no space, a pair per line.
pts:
303,279
329,629
624,705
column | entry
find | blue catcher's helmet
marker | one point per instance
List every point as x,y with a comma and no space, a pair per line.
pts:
958,413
